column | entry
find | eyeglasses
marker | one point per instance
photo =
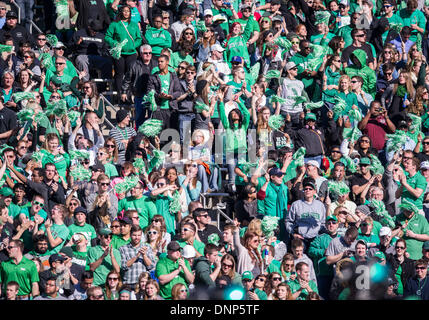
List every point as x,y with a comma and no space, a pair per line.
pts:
420,268
114,226
147,53
308,189
104,184
59,63
38,203
152,232
365,141
112,279
188,33
227,265
399,247
261,279
277,279
27,56
110,145
41,39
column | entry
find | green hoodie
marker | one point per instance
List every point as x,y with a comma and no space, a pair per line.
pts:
202,270
117,32
367,74
158,39
236,46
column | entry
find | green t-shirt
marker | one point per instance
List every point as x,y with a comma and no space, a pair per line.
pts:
105,267
176,59
416,181
61,231
118,241
417,224
400,289
110,170
87,229
268,206
165,87
198,245
144,206
295,286
165,266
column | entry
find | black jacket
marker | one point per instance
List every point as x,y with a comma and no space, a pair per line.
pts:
91,10
137,78
312,140
174,90
413,285
19,33
90,45
407,267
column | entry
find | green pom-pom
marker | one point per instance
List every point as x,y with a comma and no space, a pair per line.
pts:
151,127
322,17
128,183
213,239
419,42
18,96
40,117
73,115
275,98
276,121
395,141
139,165
58,108
201,106
46,61
201,26
4,148
5,48
37,156
246,165
397,27
269,224
158,157
351,165
409,206
319,51
81,173
298,156
339,106
283,43
313,105
115,52
52,39
298,100
79,154
150,98
254,70
272,74
62,8
416,124
175,205
352,134
355,114
376,166
338,188
25,115
380,210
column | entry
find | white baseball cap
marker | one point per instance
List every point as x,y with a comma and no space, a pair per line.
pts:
290,65
385,231
208,12
217,47
189,252
424,165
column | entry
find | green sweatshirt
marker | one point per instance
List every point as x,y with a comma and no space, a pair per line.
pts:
158,39
236,138
117,32
317,253
367,74
236,46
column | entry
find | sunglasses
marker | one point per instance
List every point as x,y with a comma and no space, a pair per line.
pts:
308,189
354,81
181,67
159,185
110,145
104,184
227,265
186,229
335,151
74,204
420,268
399,247
106,236
277,279
112,279
38,203
424,142
59,63
289,264
152,232
188,33
261,279
100,153
365,141
295,42
147,53
41,39
183,290
115,226
98,296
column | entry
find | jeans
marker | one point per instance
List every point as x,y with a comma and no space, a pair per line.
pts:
140,110
324,285
317,158
183,119
26,11
122,65
84,62
207,182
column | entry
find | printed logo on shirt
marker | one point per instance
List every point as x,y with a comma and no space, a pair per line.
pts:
307,215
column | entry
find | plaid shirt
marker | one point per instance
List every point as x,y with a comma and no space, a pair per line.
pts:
132,273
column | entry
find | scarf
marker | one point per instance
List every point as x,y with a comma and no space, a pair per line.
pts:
401,91
86,135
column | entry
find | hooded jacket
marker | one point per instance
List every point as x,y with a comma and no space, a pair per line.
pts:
202,273
362,70
117,32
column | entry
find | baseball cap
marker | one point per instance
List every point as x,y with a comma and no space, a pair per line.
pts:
173,246
59,45
98,166
290,65
385,231
104,231
6,192
247,275
189,252
208,12
274,171
364,209
56,257
310,116
362,241
11,14
424,165
125,220
80,209
68,251
82,234
403,124
365,160
217,47
237,59
309,182
332,218
426,245
219,18
314,163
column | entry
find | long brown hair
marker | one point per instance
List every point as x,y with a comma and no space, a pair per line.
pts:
159,240
286,257
417,106
255,255
261,125
289,292
155,284
114,154
408,84
230,258
108,291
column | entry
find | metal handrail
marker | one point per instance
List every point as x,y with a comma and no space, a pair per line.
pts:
110,104
19,10
32,23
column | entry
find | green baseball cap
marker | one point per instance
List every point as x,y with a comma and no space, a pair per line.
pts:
365,160
247,275
426,245
104,231
332,218
310,116
6,192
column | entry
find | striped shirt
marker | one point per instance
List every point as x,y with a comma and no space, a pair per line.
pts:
120,134
132,273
